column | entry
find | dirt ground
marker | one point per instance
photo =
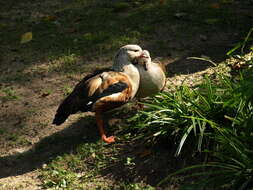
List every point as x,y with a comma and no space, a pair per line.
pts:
30,92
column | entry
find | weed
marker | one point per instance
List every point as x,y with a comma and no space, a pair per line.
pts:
219,111
47,92
136,186
66,90
69,171
15,139
2,131
65,64
10,94
242,45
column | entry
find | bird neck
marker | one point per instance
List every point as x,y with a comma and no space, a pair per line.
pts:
134,76
123,64
120,61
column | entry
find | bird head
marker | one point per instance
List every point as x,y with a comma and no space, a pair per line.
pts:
129,52
144,57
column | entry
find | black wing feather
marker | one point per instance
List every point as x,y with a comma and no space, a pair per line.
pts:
114,88
77,100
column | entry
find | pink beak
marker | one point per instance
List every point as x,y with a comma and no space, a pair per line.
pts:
143,55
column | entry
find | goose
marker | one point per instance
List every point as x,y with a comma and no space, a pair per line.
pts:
104,91
152,76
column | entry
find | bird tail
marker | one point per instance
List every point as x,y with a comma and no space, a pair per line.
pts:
59,118
71,105
66,108
78,100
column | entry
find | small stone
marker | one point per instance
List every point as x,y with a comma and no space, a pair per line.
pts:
44,166
203,37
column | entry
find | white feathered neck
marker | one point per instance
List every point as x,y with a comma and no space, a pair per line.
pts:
123,64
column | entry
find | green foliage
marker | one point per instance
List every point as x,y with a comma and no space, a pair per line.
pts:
9,94
219,111
185,111
79,170
242,45
135,186
82,169
66,90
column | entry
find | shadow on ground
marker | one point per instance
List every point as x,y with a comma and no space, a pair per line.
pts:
95,29
134,162
48,148
140,163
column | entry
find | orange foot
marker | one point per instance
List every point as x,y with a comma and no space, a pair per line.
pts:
108,140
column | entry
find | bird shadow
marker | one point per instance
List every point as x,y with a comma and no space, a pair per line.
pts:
59,143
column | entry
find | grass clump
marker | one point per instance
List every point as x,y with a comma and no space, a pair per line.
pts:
78,170
215,117
184,111
9,94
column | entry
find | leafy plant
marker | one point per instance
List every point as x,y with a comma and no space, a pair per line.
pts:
242,45
220,111
185,111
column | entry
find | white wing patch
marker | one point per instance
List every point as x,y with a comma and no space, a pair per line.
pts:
89,103
115,95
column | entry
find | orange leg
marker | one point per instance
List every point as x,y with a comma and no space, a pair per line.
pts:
100,124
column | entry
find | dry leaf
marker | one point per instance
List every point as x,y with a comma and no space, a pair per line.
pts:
26,37
161,2
93,155
50,18
215,5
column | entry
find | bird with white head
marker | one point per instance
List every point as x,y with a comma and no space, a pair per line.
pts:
103,91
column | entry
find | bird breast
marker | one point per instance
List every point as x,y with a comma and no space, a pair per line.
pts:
152,79
134,76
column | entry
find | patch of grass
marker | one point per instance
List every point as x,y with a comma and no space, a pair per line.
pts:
74,171
82,169
214,118
136,186
57,176
15,139
68,35
66,90
94,28
9,94
2,131
47,92
65,64
16,76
